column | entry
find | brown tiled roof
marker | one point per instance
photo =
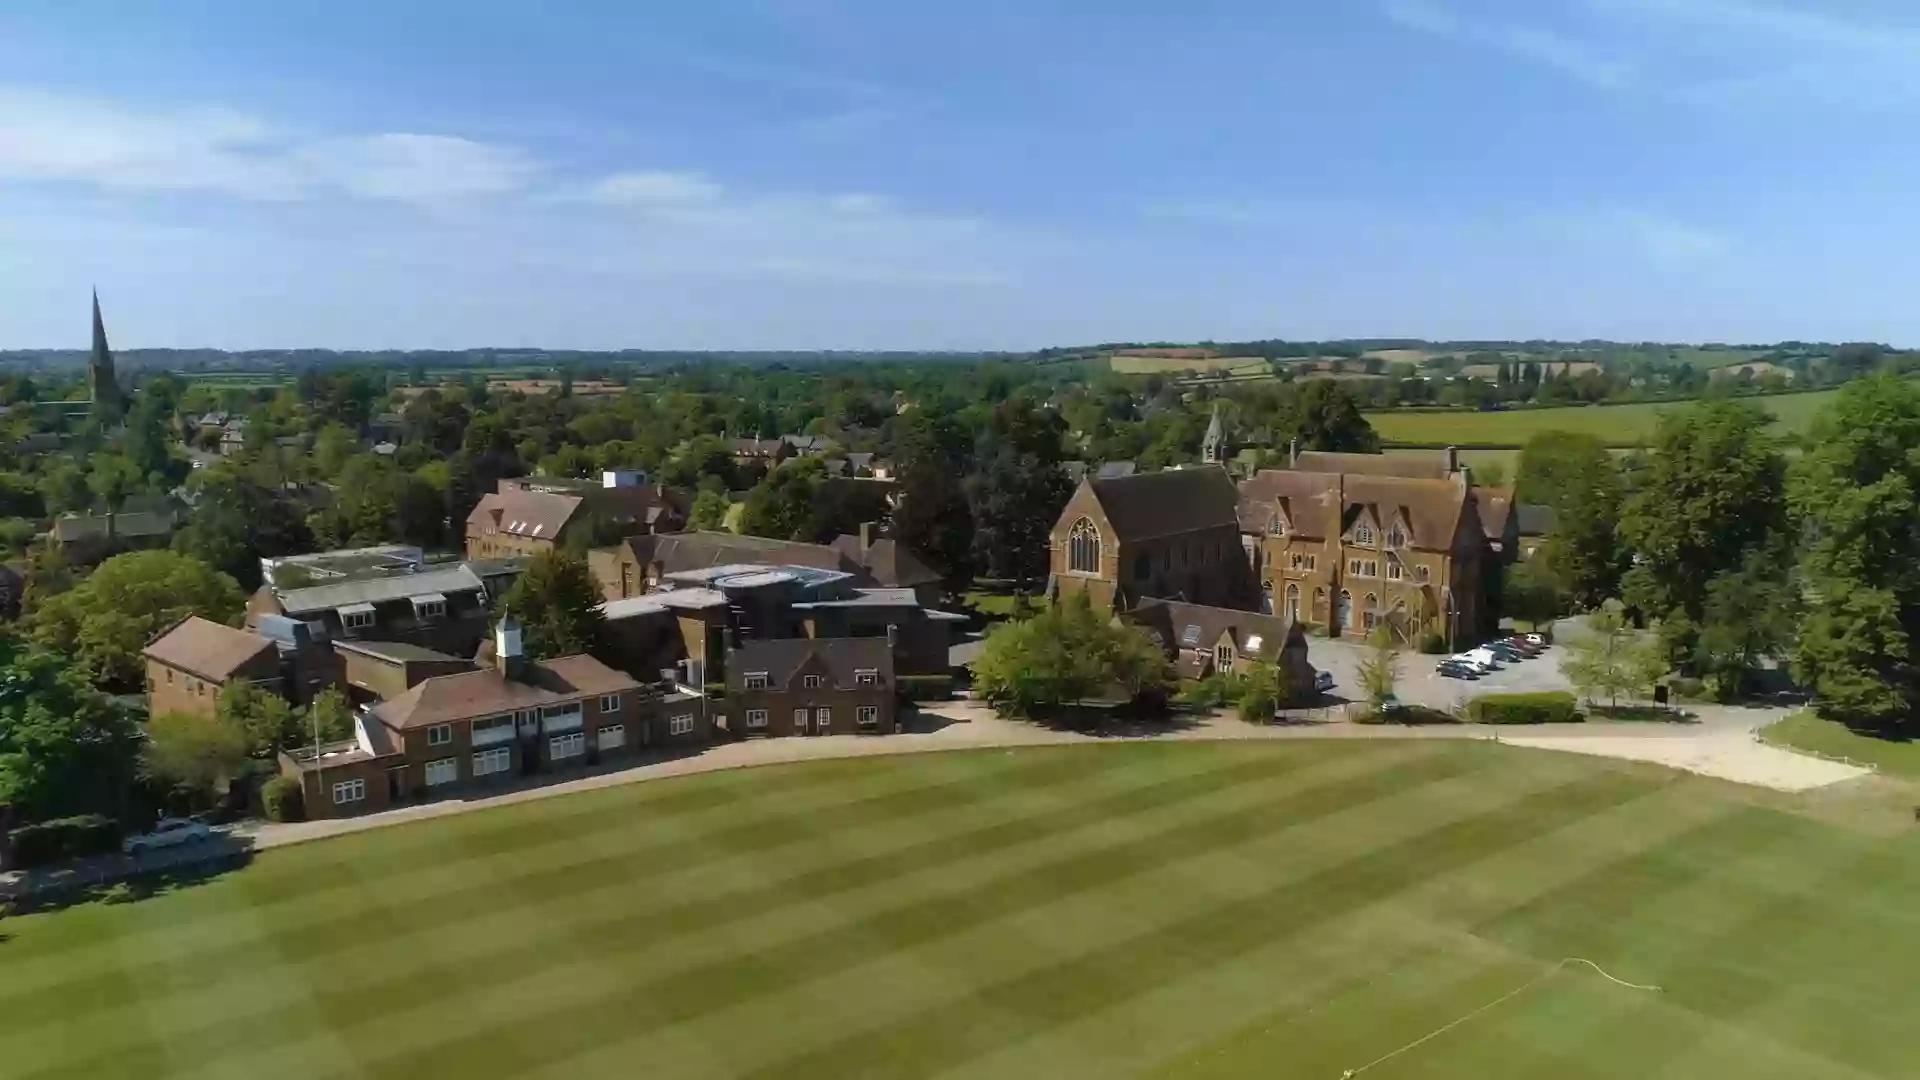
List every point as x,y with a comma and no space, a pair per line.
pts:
892,564
1494,505
487,692
1195,626
1149,505
1318,506
206,648
676,552
781,658
1411,466
525,513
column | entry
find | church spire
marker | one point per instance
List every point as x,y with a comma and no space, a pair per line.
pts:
103,386
1213,448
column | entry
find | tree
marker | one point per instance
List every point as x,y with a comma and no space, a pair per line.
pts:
1327,417
557,603
1575,475
104,622
262,718
65,749
1856,492
1016,492
329,714
1530,592
1065,654
1749,614
1612,658
785,505
196,753
235,523
1380,669
709,510
1266,689
1711,493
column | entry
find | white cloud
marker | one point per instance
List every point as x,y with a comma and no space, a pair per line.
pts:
1547,48
653,188
50,138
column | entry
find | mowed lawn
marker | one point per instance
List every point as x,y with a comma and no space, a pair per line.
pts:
1213,910
1618,424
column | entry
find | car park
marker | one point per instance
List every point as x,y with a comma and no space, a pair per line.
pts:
170,832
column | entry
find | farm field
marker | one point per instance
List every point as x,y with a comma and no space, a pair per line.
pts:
1293,908
1168,365
1617,424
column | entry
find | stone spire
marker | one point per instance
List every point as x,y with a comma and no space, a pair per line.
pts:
1213,448
103,387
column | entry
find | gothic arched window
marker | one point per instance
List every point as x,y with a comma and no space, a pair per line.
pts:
1083,548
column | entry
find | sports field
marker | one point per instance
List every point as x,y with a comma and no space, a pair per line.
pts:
1289,909
1620,424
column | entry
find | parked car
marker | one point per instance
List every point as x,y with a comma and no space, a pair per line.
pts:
1505,653
170,832
1465,661
1537,639
1450,670
1482,658
1323,682
1523,645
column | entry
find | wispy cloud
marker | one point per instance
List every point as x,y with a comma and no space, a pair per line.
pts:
50,138
1548,48
653,188
1654,237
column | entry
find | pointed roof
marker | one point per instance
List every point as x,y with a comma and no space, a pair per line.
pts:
102,385
1145,506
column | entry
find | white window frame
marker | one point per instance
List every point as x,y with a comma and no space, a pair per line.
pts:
867,716
447,769
822,720
1421,575
801,718
573,744
813,682
756,718
866,677
1363,534
609,703
430,609
490,762
1084,550
1223,655
358,620
1394,570
440,735
1396,536
611,737
349,791
683,725
755,680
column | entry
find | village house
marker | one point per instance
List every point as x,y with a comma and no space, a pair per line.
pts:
1173,534
193,660
471,730
810,686
1203,641
533,515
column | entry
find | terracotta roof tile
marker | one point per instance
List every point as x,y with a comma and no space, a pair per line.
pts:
487,692
207,648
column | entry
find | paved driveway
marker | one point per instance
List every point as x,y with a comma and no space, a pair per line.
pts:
1419,685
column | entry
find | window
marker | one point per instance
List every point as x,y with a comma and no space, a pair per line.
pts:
169,675
1311,560
867,716
1353,567
1396,537
1370,614
756,680
756,718
1421,574
1223,655
609,703
1362,534
357,619
800,719
1293,603
1373,568
1343,615
1297,561
683,725
1083,548
444,771
1277,526
866,678
612,737
489,762
822,720
430,609
1393,569
348,791
493,729
812,682
561,747
440,735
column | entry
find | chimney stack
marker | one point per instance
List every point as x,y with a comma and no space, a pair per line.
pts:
508,655
1293,453
1453,459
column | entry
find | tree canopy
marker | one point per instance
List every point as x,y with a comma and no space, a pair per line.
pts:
557,603
1066,654
105,621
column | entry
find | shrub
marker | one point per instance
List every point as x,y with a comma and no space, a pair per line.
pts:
65,838
923,687
1433,643
282,800
1545,708
1211,692
1686,688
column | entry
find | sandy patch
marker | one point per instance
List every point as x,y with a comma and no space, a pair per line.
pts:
1729,756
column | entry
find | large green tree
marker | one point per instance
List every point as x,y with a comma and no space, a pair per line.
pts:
1575,476
557,603
1856,491
1064,655
1710,493
235,523
195,753
65,748
104,622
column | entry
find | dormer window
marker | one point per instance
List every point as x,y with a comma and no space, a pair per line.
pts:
1396,537
1223,655
812,682
1363,534
430,606
1277,527
756,680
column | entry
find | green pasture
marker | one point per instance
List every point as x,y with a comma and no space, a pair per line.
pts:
1617,424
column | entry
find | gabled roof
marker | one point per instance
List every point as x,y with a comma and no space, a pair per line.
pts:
892,564
1323,505
1495,506
206,648
1196,626
519,512
376,590
1149,505
1311,502
487,692
1113,470
782,658
1410,466
678,552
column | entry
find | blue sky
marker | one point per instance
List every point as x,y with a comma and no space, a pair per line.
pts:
815,174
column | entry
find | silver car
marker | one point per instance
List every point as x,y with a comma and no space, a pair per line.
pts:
170,832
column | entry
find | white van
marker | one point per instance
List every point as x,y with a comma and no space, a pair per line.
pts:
1480,658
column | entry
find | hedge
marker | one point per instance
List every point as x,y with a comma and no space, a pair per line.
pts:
923,687
282,800
1543,708
65,838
